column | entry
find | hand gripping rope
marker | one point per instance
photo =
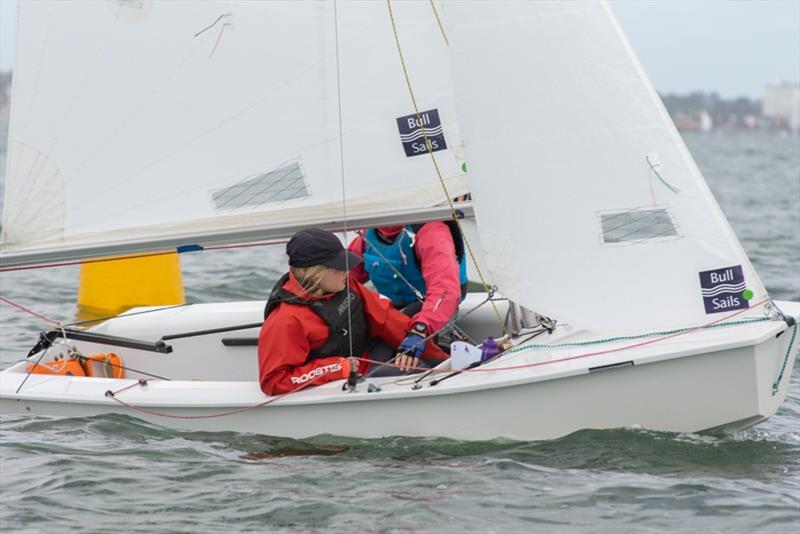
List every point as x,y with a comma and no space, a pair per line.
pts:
664,335
419,296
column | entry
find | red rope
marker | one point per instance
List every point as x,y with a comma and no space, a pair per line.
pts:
81,262
626,347
586,355
222,29
246,245
135,256
507,368
110,393
113,395
26,310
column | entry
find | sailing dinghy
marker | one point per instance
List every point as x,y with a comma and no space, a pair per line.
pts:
626,297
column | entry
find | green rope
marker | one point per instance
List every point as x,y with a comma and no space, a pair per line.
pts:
663,181
631,338
776,384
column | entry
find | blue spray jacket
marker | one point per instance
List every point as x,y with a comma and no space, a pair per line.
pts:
401,255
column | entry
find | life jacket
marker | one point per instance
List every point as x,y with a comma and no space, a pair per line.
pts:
100,365
334,312
401,255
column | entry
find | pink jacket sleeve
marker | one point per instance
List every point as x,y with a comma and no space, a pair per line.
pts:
437,256
356,246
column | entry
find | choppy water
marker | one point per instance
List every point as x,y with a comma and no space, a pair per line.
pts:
109,474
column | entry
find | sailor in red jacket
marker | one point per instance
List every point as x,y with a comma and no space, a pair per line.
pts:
308,336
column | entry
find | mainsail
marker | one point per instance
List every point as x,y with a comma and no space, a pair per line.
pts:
590,208
139,125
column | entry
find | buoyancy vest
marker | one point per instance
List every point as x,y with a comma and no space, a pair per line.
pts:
334,312
401,255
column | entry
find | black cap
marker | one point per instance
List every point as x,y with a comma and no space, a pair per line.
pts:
314,246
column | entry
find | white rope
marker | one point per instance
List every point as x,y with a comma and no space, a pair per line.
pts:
341,170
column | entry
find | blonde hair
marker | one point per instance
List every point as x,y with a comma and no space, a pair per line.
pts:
310,278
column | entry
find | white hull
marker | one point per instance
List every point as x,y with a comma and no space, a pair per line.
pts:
717,378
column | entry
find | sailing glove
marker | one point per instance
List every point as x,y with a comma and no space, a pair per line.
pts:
413,344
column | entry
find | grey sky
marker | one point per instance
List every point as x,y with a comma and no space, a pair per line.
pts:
734,47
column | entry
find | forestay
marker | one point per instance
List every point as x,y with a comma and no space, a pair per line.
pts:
141,124
589,206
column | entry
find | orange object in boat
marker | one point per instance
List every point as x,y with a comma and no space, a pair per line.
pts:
100,365
105,365
70,367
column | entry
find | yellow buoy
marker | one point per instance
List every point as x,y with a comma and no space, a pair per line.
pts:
111,287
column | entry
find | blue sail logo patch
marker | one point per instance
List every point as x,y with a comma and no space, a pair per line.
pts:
723,289
414,130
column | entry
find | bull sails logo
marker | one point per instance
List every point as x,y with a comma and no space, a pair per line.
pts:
724,289
423,134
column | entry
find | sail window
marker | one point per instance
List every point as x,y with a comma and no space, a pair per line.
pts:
635,225
279,185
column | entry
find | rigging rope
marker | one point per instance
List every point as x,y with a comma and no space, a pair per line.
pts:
668,334
451,322
351,380
124,315
453,212
653,168
672,334
439,22
143,255
213,24
143,382
777,383
113,396
27,310
417,294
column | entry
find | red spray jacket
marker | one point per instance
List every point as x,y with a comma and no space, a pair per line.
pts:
291,331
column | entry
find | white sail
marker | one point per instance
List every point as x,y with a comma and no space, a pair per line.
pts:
143,124
589,206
